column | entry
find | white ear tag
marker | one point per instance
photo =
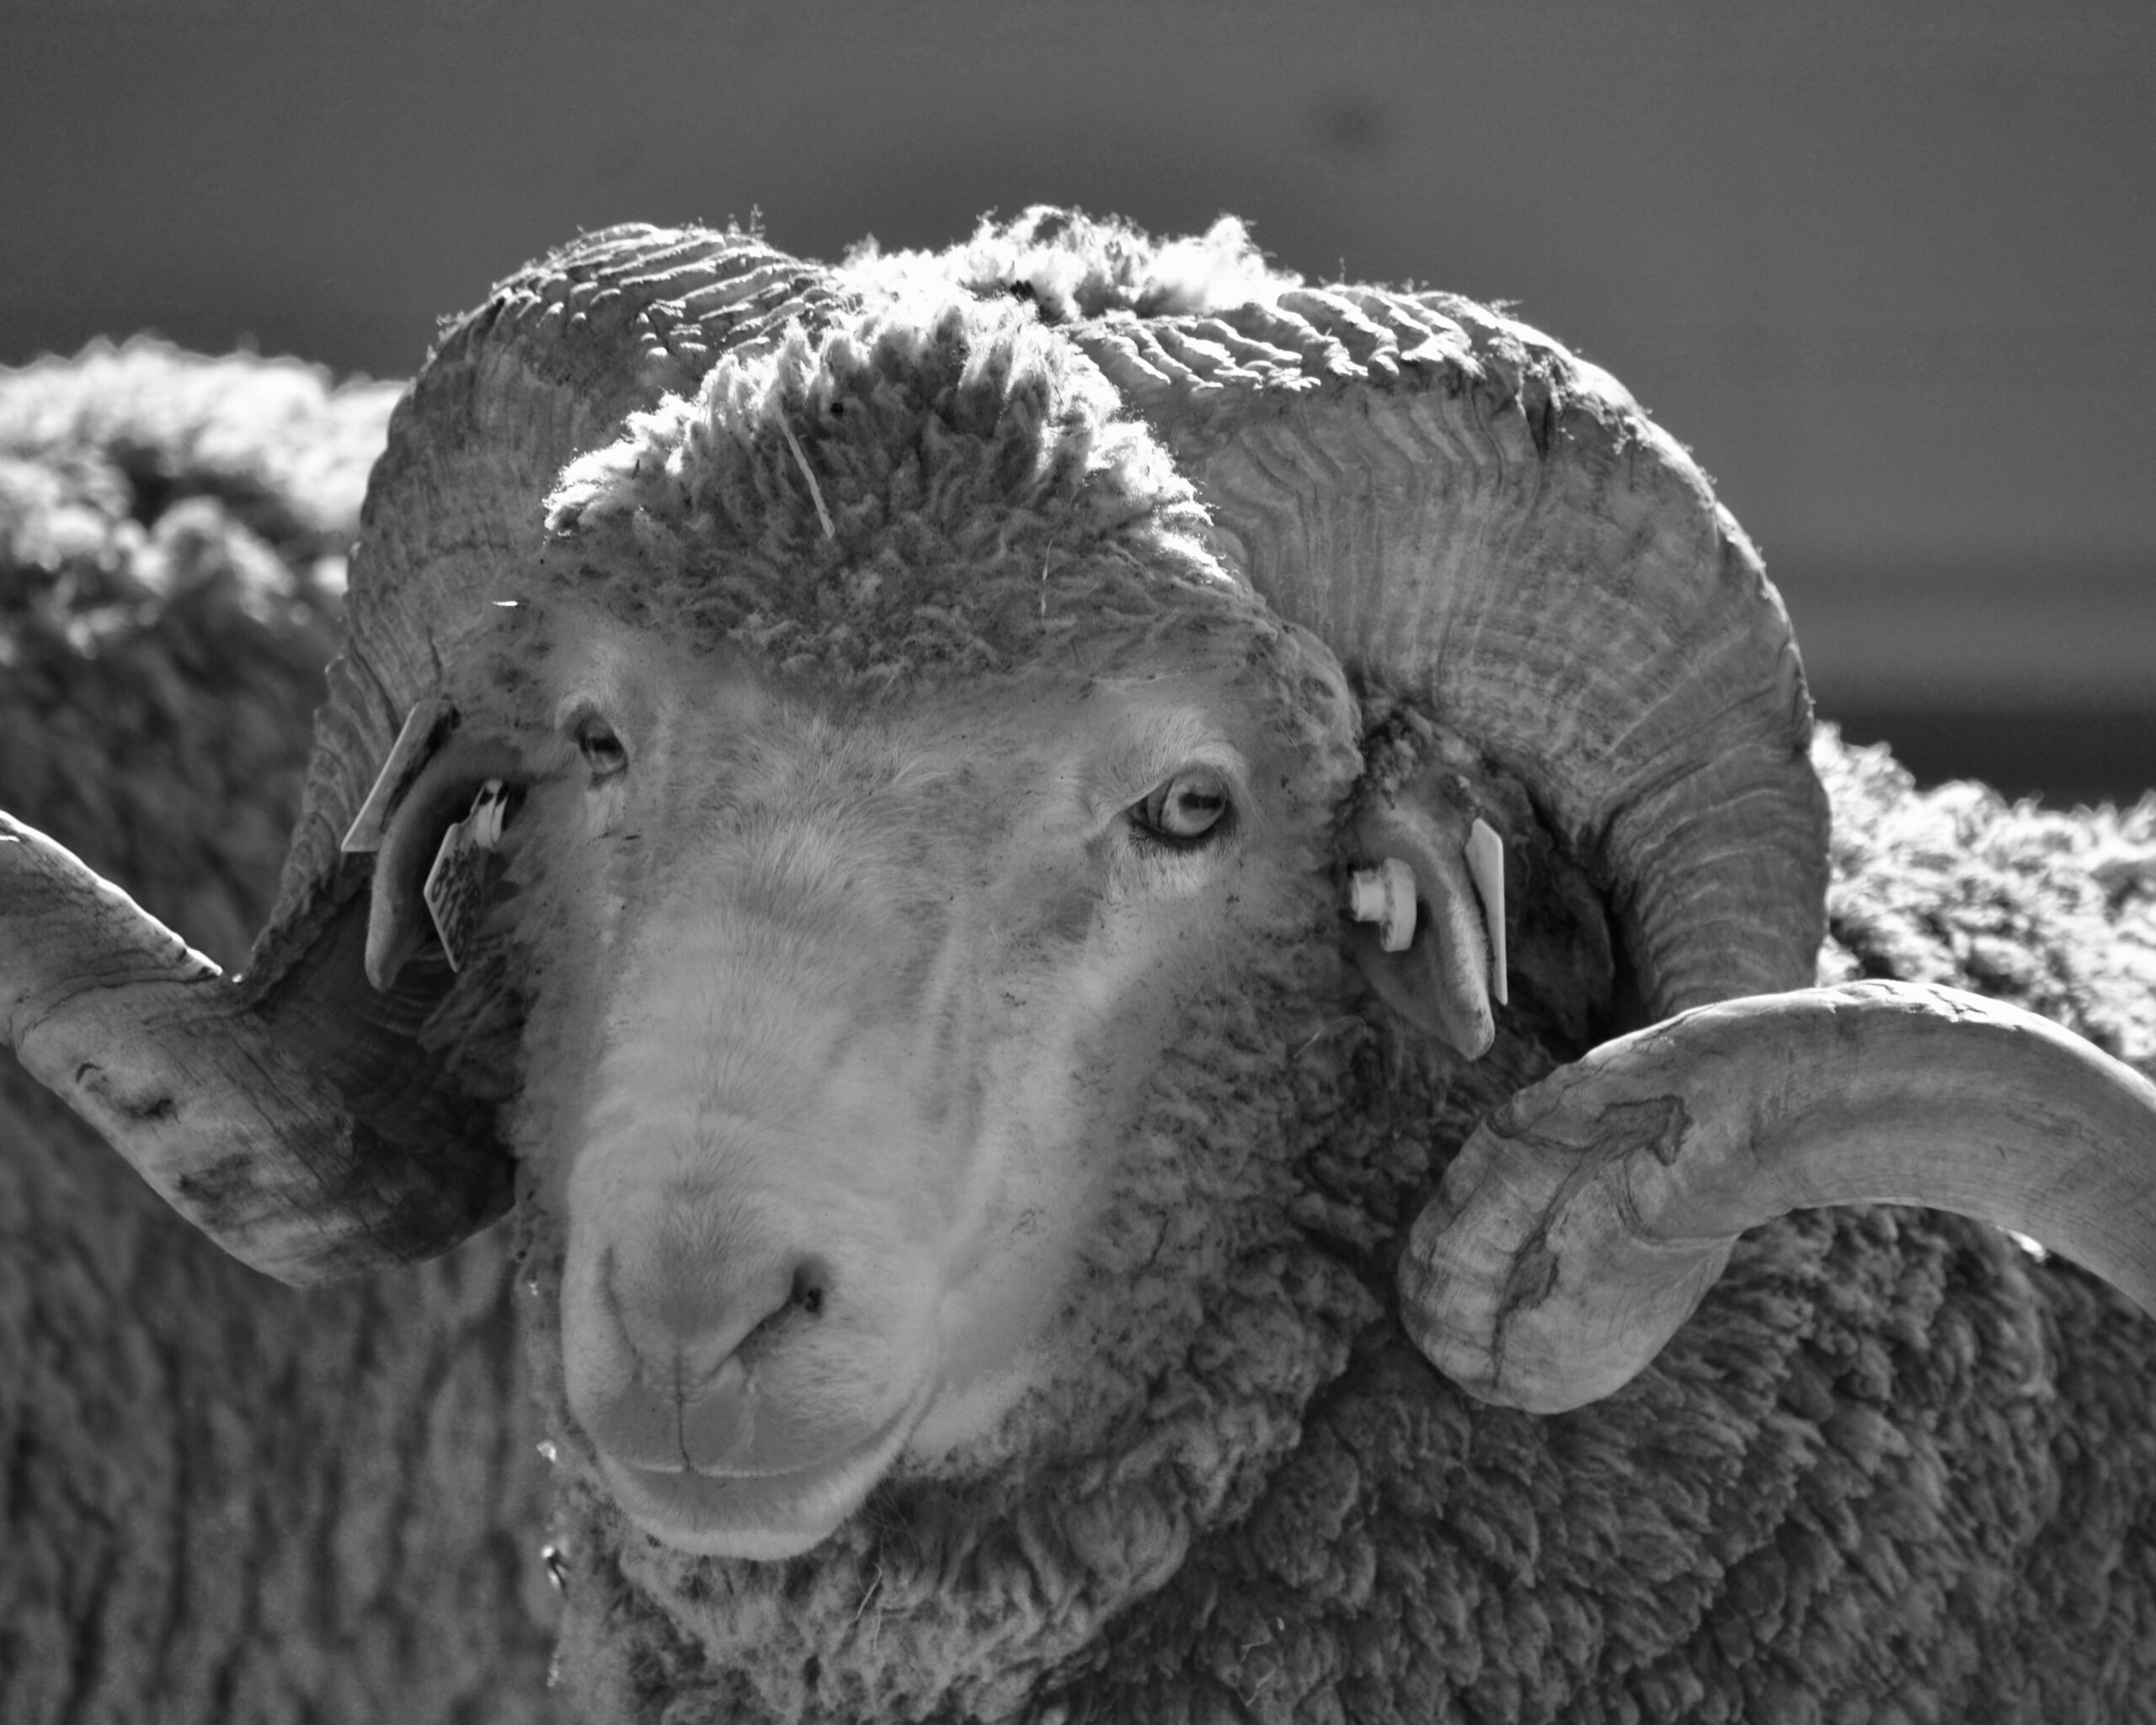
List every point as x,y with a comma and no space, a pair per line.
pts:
1486,867
1385,895
456,885
415,741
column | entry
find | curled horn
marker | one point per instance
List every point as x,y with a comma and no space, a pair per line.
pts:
549,368
1479,523
1583,1222
307,1120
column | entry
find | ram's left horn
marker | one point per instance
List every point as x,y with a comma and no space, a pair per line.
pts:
1584,1220
191,1079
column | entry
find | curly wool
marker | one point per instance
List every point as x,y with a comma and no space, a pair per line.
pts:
117,435
933,484
1072,265
173,532
2030,904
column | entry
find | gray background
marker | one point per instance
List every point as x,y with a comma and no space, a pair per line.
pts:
1890,270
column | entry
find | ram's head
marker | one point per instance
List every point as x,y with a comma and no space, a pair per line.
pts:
846,849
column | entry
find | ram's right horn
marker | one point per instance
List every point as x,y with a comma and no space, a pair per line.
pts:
1583,1222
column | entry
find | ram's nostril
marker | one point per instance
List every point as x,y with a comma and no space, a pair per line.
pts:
811,1282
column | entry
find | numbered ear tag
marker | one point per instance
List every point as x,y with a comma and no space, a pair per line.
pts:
1486,867
421,735
458,884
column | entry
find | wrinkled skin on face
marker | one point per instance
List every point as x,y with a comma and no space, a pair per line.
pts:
843,1002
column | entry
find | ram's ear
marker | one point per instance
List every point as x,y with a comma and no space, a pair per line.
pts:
432,821
1501,916
1428,935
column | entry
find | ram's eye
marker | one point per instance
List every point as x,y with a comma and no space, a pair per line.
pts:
1186,809
603,752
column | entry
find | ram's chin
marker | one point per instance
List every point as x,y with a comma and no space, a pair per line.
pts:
761,1518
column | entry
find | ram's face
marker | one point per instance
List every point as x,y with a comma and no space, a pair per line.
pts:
843,1004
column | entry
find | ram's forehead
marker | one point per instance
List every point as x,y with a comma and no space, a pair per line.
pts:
891,618
926,484
1181,676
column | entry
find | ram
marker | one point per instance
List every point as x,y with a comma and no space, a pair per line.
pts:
966,841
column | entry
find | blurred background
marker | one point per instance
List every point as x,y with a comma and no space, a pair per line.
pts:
1889,269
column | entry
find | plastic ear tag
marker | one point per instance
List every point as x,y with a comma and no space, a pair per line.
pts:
456,886
1385,895
419,737
1486,867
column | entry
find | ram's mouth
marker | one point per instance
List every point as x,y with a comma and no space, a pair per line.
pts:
761,1516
